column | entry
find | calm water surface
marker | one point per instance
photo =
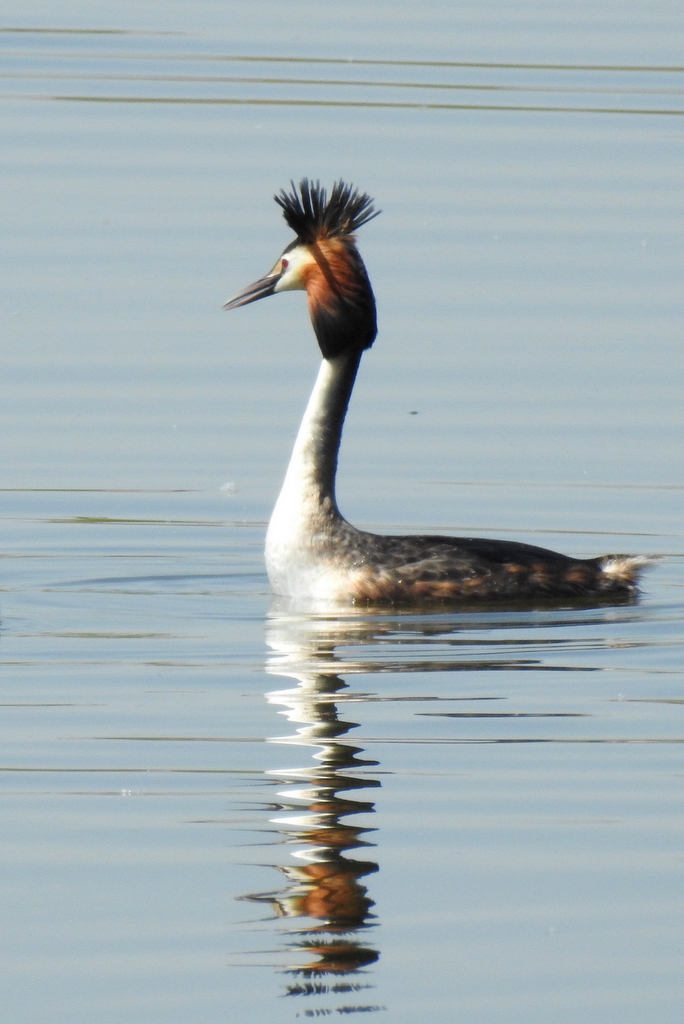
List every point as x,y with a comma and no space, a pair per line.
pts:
220,806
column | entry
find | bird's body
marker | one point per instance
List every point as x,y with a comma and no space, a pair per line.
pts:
312,552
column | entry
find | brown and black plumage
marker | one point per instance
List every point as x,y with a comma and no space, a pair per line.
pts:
312,552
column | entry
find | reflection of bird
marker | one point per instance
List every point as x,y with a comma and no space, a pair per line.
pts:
311,550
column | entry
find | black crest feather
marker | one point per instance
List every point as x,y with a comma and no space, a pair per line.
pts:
312,216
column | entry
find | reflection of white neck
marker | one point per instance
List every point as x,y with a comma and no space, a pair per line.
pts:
306,513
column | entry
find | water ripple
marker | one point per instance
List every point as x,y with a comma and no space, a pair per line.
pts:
630,87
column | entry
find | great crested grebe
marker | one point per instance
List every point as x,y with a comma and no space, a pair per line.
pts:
311,550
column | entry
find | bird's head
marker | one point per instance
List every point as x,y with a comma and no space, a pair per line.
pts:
323,261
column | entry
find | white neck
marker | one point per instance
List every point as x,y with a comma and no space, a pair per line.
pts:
306,513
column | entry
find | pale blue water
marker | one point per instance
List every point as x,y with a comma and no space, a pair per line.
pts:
215,806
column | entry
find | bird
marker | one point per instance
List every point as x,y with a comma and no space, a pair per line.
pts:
312,552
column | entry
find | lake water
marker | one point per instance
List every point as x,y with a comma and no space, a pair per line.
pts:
216,806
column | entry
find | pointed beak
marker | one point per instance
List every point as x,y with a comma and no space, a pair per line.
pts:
259,290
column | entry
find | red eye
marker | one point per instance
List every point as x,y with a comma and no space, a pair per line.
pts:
284,264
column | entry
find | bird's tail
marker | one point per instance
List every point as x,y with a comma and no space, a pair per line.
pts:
625,569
